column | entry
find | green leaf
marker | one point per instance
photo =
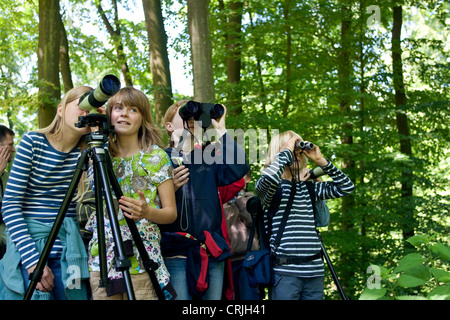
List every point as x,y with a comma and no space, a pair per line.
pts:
442,250
421,272
409,297
407,281
418,240
372,294
409,261
441,275
440,293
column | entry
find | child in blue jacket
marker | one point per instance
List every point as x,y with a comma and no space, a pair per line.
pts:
193,246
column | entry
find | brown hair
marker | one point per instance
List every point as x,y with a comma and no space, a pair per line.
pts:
149,134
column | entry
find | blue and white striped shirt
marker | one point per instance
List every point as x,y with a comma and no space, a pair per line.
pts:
299,238
39,179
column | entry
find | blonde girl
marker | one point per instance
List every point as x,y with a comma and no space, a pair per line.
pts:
43,168
284,173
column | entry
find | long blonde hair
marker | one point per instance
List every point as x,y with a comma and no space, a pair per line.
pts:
277,143
55,129
149,134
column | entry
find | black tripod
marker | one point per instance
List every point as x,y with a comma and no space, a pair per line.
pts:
104,179
330,266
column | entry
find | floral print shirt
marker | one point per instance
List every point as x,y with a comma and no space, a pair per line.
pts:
144,172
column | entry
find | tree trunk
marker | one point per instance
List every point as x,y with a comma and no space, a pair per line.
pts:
288,34
117,40
262,88
402,124
64,59
345,70
198,24
48,61
345,89
233,61
159,60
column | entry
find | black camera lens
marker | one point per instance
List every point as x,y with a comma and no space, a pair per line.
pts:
108,87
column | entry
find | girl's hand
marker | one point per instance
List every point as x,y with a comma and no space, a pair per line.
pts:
5,154
291,144
219,124
304,174
180,176
316,156
46,284
135,208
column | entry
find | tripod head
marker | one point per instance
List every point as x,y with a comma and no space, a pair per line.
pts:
96,120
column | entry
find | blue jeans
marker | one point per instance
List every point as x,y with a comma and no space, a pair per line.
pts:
296,288
242,290
177,271
58,292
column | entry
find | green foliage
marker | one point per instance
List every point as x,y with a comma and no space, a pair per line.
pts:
365,228
421,275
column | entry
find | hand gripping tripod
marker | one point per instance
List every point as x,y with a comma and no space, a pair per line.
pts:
104,179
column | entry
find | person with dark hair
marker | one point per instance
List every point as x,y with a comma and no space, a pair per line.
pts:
7,151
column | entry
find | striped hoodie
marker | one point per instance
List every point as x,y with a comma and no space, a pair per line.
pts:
299,238
39,179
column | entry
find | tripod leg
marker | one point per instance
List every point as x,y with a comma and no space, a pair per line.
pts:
149,264
36,276
122,262
330,266
104,280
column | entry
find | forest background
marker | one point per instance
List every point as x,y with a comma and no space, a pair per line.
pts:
367,81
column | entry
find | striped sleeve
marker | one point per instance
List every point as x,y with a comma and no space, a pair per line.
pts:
12,203
270,179
339,187
38,183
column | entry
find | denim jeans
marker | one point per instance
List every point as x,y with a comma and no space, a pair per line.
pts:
177,271
296,288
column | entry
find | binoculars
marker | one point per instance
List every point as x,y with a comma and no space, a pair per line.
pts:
203,112
304,145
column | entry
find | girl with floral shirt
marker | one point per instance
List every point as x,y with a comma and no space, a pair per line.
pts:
144,172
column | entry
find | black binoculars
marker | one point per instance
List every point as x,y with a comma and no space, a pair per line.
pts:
304,145
203,112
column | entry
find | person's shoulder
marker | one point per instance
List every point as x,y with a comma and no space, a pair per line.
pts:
155,155
32,138
33,135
